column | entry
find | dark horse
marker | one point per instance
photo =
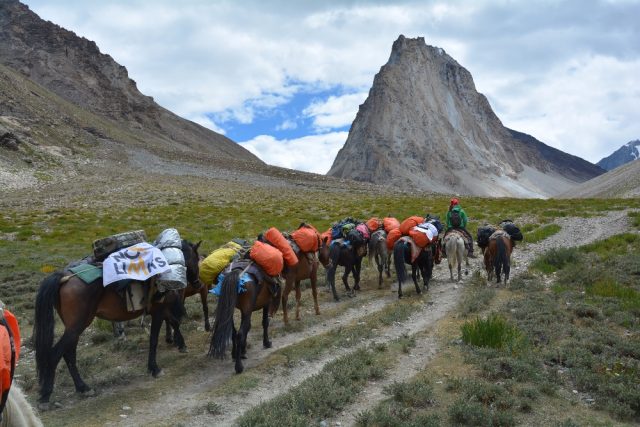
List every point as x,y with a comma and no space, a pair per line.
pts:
191,289
497,256
423,264
378,251
306,268
350,257
258,294
78,303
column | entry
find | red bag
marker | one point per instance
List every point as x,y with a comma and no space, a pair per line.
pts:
392,237
275,237
5,350
421,239
373,224
268,258
409,223
306,238
390,223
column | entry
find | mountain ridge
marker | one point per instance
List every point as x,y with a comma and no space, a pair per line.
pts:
625,154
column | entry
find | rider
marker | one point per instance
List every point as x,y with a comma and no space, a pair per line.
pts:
457,220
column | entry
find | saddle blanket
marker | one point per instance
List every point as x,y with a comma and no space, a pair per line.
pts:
88,273
137,262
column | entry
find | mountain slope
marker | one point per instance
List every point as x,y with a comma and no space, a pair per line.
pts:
625,154
424,125
621,182
74,69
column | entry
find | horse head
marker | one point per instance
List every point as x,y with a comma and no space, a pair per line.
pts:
323,253
191,261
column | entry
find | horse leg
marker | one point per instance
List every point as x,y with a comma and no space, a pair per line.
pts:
388,265
331,280
314,289
234,341
285,298
414,276
298,296
178,339
70,359
69,338
168,336
156,324
380,265
265,327
243,331
357,267
205,307
345,280
118,329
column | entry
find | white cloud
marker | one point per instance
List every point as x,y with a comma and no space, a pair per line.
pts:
314,153
287,125
335,111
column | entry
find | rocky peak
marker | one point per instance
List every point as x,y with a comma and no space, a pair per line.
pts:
425,125
625,154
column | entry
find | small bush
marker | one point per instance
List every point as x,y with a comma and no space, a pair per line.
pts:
469,414
554,259
416,394
541,233
493,332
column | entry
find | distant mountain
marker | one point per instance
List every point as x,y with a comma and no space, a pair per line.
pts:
621,182
74,70
625,154
424,125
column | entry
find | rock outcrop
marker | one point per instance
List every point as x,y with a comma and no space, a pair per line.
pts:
623,155
424,125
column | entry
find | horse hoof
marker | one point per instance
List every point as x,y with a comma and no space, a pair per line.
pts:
169,340
157,373
207,327
239,369
267,344
183,350
44,406
356,288
88,393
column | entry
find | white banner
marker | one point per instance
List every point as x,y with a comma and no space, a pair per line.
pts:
137,262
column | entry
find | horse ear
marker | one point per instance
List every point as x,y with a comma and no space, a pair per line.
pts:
197,245
325,239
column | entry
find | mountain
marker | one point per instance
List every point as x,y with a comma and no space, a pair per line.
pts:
625,154
60,91
424,125
621,182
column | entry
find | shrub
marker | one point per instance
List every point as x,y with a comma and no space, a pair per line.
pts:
493,332
556,258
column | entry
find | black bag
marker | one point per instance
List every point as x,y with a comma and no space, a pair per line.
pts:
484,233
513,231
355,237
456,218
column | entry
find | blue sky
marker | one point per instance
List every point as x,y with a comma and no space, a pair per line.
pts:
285,78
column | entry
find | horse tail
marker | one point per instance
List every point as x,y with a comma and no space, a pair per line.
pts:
398,260
223,324
43,328
501,259
176,308
334,256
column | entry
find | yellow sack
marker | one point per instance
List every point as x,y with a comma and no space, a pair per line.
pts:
212,265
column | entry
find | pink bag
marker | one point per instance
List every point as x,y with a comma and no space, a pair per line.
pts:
362,228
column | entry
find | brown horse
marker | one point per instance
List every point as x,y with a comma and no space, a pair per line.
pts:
421,265
78,303
245,287
497,256
306,268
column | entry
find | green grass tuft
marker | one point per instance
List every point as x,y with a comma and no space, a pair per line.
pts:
493,332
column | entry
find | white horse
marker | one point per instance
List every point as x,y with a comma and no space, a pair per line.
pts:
17,411
454,247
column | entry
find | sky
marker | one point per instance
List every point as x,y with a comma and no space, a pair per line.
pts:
285,78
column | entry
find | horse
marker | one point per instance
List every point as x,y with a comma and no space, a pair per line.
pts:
191,290
454,247
78,303
497,256
306,268
378,251
18,412
350,256
258,294
423,263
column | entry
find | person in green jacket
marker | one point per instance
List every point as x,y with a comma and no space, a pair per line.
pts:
457,220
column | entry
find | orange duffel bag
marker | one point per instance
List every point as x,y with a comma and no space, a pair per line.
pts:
327,235
374,224
409,223
9,351
268,258
390,223
420,238
307,238
392,238
275,237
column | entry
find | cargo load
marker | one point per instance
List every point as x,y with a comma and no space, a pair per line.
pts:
392,237
275,237
102,248
307,239
269,258
170,243
374,224
390,223
409,223
217,260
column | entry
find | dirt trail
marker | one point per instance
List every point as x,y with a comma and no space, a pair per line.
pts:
443,298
